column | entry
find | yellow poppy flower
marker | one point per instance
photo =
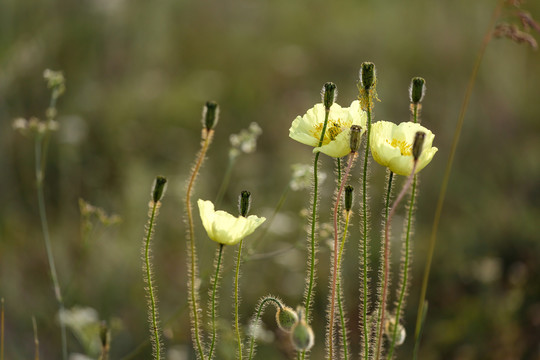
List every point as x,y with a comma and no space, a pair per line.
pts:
225,228
336,142
391,146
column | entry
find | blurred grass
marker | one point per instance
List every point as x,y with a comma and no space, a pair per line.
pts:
138,74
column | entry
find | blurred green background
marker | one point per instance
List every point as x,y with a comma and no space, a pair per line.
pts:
138,74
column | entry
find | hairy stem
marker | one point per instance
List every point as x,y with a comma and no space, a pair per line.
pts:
192,263
262,305
236,300
335,270
340,305
214,295
386,255
151,291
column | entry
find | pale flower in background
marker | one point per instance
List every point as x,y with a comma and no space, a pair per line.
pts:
302,176
391,146
225,228
307,129
245,141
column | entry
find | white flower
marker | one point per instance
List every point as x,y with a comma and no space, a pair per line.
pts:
225,228
391,146
336,142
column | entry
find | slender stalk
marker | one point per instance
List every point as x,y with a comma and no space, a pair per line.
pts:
40,175
352,156
364,245
262,305
313,249
236,300
2,331
214,292
192,263
36,339
405,269
340,305
387,253
268,223
448,168
389,186
148,272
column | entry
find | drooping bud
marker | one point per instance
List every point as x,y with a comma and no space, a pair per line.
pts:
390,328
349,197
418,144
210,115
244,202
302,336
286,318
159,187
356,137
367,75
417,90
329,92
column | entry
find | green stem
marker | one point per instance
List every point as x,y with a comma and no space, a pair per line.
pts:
2,330
352,156
340,305
313,249
386,212
40,175
262,305
236,315
405,269
268,223
192,266
365,267
387,254
214,292
148,269
446,177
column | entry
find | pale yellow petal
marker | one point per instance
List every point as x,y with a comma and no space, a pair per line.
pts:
206,211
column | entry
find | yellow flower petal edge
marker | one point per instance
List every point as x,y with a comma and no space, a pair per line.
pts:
391,146
336,142
225,228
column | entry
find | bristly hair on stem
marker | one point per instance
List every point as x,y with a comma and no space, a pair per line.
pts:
214,298
151,294
255,323
210,118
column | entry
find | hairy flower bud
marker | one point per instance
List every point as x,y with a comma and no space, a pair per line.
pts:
210,115
417,90
286,318
418,144
349,197
356,137
159,187
367,75
329,94
244,202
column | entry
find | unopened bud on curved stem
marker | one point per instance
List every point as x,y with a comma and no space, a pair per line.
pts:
329,94
244,202
418,144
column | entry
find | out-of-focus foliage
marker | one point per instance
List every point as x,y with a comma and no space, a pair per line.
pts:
137,75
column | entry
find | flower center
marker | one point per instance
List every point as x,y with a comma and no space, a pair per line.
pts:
403,146
333,129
